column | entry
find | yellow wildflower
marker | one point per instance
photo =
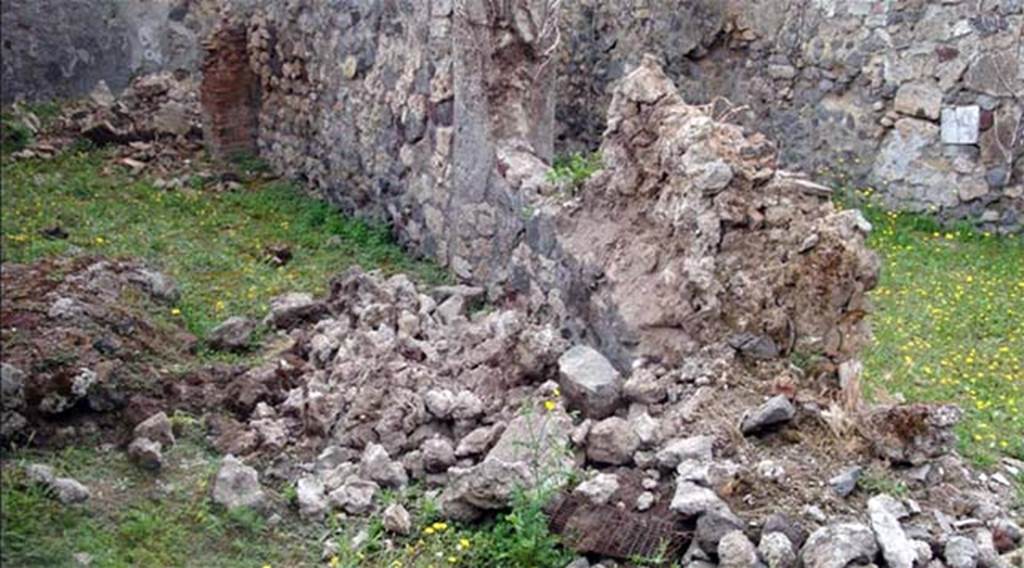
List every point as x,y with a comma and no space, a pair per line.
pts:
549,405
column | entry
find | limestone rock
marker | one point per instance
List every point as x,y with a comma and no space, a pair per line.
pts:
599,489
922,100
897,549
157,428
698,448
846,481
439,402
237,485
397,519
70,491
835,546
311,498
146,453
713,526
961,552
777,551
736,551
355,496
478,441
691,500
377,466
589,381
438,455
612,441
292,309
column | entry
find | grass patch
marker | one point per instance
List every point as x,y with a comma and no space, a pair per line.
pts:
949,326
213,244
133,519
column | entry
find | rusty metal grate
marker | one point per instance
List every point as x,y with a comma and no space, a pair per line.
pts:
612,532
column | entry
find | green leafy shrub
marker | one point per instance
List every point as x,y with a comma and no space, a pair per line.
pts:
573,170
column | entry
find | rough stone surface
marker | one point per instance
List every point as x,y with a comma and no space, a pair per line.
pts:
438,455
696,448
311,498
377,466
599,489
70,491
589,381
691,500
63,48
397,519
736,551
355,496
961,552
146,453
778,410
714,525
237,485
897,549
157,428
233,334
291,309
776,550
846,481
835,546
923,100
612,441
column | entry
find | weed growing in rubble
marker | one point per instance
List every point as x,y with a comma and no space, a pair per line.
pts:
573,170
214,244
517,537
949,326
879,481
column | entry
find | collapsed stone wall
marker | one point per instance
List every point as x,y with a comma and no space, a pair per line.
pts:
919,100
63,48
439,118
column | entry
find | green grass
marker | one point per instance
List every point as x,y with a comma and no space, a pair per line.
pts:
949,326
135,520
212,244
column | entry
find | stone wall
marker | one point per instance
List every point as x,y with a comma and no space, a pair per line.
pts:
439,118
920,100
63,48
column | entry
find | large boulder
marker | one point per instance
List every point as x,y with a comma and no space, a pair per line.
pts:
589,381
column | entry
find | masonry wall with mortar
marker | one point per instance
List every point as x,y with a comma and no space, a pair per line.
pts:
919,100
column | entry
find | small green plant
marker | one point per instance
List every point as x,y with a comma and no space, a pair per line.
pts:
574,170
14,136
522,537
290,493
876,482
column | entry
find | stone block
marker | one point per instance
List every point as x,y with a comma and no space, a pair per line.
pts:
960,125
919,99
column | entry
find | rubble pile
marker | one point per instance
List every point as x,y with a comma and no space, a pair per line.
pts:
385,385
74,346
154,125
690,236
